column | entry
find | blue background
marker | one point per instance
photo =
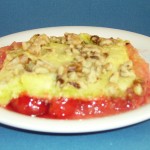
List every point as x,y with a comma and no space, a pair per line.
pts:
132,15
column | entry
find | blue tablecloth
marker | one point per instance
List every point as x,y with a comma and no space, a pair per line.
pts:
19,15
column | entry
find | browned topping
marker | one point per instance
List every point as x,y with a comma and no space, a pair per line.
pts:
105,55
138,81
35,44
28,66
60,80
75,84
88,63
94,57
77,67
127,43
95,39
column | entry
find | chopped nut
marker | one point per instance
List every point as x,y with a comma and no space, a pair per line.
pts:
34,46
29,66
94,57
95,39
23,59
127,43
60,80
75,84
55,39
73,39
75,67
105,55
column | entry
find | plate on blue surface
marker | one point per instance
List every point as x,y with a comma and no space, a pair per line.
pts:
141,42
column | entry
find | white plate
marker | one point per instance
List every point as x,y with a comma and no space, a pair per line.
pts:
141,42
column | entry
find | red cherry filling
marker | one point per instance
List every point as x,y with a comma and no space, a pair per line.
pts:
29,105
69,108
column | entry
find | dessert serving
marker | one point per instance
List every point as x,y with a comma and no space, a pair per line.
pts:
74,76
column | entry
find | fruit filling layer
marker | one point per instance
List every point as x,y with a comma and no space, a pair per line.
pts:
69,108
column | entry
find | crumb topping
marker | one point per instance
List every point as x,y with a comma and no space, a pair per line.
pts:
77,60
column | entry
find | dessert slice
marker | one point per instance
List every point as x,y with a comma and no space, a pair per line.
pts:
73,76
